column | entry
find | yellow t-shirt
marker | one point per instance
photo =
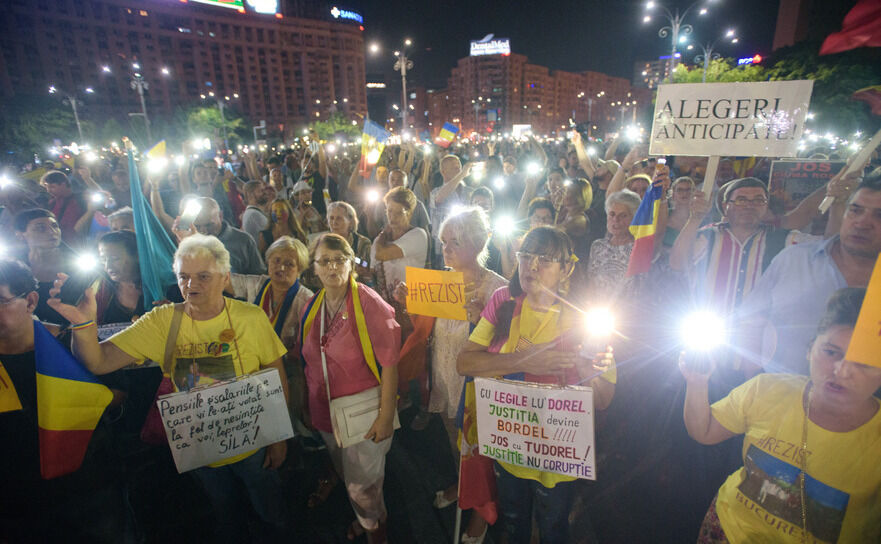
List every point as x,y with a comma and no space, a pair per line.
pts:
535,328
761,502
205,351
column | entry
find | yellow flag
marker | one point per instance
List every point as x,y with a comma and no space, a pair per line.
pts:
157,150
865,344
9,400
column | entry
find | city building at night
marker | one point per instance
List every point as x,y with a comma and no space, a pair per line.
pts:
287,63
492,92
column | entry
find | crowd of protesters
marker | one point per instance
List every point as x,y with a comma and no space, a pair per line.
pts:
302,253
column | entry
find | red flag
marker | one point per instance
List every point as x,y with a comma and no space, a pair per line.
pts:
861,28
871,96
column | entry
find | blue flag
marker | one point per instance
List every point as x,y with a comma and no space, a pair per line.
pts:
155,248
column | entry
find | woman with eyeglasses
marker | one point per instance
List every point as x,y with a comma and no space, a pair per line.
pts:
351,343
528,332
811,444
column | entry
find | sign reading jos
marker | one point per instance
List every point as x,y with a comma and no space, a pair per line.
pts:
764,119
537,426
207,425
437,293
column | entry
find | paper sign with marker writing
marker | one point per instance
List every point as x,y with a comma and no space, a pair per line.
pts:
865,344
544,427
226,419
437,293
761,119
9,401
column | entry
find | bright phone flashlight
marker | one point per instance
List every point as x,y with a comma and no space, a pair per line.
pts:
499,183
86,262
599,323
372,195
505,226
97,198
533,168
702,331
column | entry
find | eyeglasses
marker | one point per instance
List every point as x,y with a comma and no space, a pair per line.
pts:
7,301
335,262
543,260
743,201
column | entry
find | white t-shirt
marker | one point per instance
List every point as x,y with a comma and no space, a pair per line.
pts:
414,244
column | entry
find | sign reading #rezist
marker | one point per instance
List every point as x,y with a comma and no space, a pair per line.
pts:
436,293
763,119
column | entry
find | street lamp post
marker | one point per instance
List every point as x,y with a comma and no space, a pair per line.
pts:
73,102
708,53
402,65
221,105
140,84
676,26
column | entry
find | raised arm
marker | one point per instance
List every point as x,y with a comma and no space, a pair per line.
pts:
685,245
532,182
610,151
474,360
620,176
584,159
449,187
159,207
698,415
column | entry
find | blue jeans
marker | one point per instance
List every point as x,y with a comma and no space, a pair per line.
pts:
516,499
263,487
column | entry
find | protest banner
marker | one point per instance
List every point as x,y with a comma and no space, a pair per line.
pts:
865,344
548,428
436,293
225,419
791,181
762,119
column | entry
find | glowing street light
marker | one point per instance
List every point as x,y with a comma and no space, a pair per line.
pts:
677,27
707,52
105,69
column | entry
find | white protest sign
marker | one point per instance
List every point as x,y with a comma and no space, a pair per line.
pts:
537,426
763,119
226,419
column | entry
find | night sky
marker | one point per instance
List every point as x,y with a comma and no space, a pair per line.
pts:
575,35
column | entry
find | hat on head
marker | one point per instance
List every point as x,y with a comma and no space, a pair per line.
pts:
610,165
301,186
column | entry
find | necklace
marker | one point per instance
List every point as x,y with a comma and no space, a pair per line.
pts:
332,315
804,466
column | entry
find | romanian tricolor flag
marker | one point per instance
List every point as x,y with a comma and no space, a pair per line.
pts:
373,139
70,401
643,227
447,135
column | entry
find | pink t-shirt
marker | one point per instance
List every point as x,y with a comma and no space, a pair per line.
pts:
346,368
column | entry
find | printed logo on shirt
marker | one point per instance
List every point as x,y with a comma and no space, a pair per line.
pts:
193,372
772,485
202,349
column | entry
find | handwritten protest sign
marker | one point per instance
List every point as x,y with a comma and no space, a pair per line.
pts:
763,119
436,293
865,344
207,425
793,180
537,426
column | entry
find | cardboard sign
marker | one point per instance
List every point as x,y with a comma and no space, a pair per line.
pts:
226,419
865,344
764,119
793,180
547,428
437,293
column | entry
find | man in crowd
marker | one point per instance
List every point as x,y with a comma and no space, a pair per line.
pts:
122,219
68,207
789,299
243,254
207,182
258,195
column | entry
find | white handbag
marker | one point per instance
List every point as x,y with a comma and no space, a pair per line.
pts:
353,415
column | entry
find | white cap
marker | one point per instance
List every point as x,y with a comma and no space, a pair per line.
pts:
301,186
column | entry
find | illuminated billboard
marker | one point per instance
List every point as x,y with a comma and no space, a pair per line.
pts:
338,13
238,5
491,46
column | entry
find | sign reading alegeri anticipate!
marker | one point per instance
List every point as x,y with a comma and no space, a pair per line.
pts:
764,119
544,427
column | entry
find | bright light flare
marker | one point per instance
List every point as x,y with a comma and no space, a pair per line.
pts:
592,151
90,156
632,133
599,322
646,19
180,160
373,156
97,198
5,181
331,148
86,262
191,208
703,11
372,196
154,166
702,331
505,226
478,171
533,168
499,183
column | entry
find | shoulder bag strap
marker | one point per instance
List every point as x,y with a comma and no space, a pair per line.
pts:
323,357
171,341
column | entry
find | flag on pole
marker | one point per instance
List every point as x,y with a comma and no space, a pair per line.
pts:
157,150
155,248
447,135
871,96
373,139
643,227
861,28
70,401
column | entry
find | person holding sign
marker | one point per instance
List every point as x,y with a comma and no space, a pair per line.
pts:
347,355
216,339
811,445
525,333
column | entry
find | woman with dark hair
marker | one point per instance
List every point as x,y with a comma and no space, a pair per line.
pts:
119,295
574,220
346,354
810,443
526,333
282,222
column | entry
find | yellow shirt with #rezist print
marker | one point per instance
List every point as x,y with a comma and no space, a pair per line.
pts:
234,343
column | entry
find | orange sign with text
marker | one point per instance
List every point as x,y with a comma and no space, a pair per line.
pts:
437,293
